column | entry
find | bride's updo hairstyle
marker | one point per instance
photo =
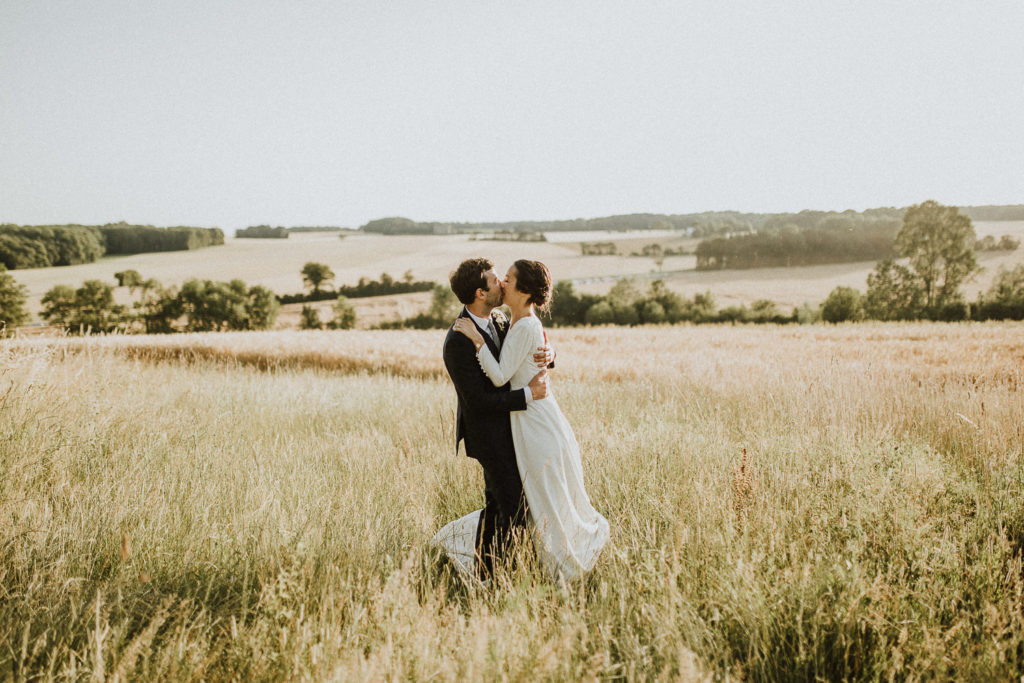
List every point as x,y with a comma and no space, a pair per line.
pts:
534,278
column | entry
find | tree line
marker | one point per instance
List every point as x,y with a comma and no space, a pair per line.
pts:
704,224
42,246
935,244
803,240
699,224
318,279
263,232
196,306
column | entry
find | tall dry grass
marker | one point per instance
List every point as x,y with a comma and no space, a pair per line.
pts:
786,504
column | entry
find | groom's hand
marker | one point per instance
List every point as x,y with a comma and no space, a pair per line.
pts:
545,356
539,385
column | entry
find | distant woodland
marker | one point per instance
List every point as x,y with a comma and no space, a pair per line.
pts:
41,246
706,224
699,224
820,237
280,232
804,239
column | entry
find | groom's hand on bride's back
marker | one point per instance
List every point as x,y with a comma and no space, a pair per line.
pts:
545,356
539,385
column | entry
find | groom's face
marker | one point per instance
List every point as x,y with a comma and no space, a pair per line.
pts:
494,292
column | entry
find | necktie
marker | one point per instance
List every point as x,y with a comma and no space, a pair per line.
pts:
493,331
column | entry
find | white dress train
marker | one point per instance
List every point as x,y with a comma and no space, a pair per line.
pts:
568,532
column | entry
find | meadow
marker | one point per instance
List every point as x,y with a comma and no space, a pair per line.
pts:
787,503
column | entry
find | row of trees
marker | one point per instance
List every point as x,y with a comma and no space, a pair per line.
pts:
936,241
42,246
989,243
197,306
700,224
121,238
263,232
705,224
833,239
343,317
893,294
318,278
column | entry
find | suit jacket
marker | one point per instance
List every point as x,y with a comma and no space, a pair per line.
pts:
482,418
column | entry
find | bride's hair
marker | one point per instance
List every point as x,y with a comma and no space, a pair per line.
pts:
534,278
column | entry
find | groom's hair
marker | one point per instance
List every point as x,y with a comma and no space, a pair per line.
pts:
468,278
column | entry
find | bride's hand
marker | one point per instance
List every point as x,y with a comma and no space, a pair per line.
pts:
466,327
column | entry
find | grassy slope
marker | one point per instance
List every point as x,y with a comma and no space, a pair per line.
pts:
201,516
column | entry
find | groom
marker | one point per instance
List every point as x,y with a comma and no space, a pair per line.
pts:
483,415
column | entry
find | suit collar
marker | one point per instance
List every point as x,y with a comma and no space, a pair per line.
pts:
486,333
477,319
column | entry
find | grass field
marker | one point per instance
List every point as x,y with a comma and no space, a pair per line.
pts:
787,503
277,264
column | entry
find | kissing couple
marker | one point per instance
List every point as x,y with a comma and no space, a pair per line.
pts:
513,426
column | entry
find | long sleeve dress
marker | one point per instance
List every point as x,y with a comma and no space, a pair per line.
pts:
568,532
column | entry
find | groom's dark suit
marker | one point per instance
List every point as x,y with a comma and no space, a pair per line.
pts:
483,421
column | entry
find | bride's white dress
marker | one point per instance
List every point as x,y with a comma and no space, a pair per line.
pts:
568,532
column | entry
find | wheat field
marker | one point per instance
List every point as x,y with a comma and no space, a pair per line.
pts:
787,503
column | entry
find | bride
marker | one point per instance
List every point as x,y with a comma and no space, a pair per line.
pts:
568,532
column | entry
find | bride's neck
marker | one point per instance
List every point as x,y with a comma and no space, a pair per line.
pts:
519,313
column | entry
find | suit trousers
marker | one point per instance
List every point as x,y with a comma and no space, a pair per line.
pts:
504,511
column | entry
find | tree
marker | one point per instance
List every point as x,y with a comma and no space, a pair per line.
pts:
214,306
703,306
444,306
624,293
95,308
344,315
12,300
1008,284
316,274
626,314
1007,243
310,319
58,304
600,313
764,311
568,307
652,312
939,241
128,278
91,307
158,308
261,308
1005,298
893,293
841,305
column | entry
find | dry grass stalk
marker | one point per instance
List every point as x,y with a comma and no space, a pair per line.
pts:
743,489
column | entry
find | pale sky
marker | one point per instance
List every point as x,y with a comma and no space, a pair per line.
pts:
295,112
